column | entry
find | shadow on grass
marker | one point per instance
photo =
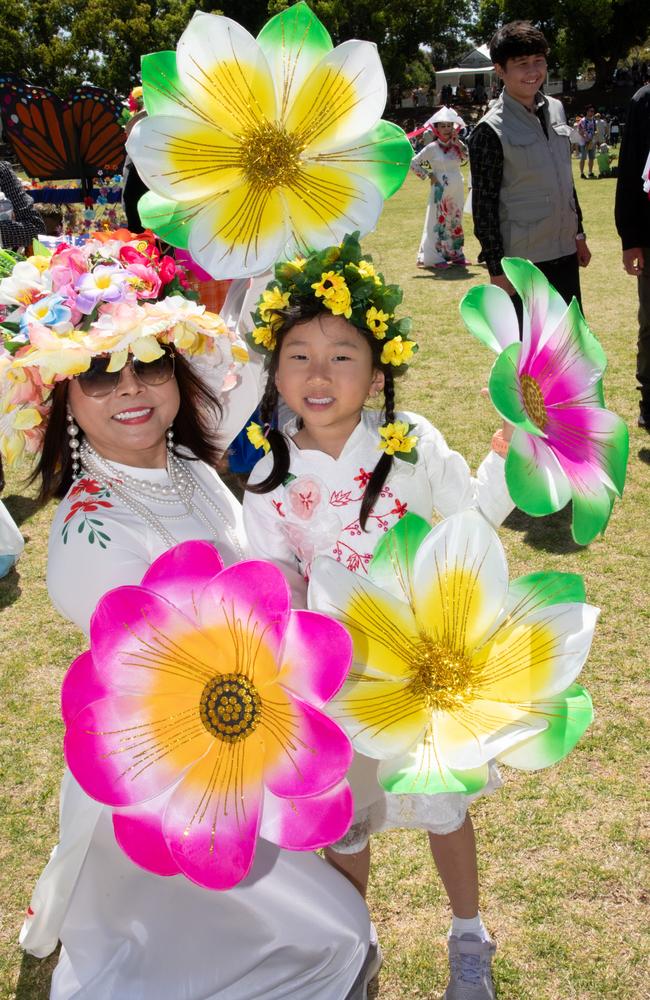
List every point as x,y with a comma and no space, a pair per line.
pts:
549,534
644,455
21,508
445,274
34,977
9,588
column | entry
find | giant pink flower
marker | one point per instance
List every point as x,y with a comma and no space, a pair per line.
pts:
565,444
196,715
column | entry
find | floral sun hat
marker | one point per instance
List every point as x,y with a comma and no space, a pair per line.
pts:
114,295
257,148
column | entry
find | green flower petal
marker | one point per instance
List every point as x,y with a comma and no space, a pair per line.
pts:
489,316
540,590
392,561
505,391
618,448
383,155
161,86
591,512
421,772
568,715
294,34
170,220
534,477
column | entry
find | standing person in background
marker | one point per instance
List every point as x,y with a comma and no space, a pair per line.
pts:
523,197
587,129
633,225
19,220
440,161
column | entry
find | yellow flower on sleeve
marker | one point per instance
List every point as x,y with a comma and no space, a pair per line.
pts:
397,351
257,438
396,438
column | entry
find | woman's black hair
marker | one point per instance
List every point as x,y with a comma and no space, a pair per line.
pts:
278,443
194,431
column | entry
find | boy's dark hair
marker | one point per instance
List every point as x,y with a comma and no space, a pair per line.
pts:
278,442
519,38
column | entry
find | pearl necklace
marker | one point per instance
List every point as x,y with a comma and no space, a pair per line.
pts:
136,495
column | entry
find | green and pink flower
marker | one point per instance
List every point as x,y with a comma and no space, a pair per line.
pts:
565,445
196,714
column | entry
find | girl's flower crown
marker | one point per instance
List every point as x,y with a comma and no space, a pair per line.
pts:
345,282
114,295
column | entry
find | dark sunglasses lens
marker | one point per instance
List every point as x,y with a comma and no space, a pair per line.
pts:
155,372
97,381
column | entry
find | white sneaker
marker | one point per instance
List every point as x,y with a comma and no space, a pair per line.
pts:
470,965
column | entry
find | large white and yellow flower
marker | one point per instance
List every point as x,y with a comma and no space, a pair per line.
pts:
453,667
254,149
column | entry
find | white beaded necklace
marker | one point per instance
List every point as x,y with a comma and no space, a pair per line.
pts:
136,495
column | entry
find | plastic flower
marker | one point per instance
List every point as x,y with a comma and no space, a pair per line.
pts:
255,149
397,351
257,437
264,336
329,286
273,300
453,667
395,438
377,322
196,713
16,423
565,445
105,283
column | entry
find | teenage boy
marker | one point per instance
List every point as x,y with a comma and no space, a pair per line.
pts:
523,197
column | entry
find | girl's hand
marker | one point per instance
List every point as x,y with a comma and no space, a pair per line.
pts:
501,439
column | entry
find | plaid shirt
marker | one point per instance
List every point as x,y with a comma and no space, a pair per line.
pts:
27,223
486,164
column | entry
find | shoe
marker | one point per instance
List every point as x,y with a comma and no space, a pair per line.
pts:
582,177
470,965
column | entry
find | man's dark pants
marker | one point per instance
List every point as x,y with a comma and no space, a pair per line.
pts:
643,344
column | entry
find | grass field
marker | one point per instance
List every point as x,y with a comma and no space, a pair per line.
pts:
564,853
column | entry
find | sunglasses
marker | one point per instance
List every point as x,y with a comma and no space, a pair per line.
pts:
98,381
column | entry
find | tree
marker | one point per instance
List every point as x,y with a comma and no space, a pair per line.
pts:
598,31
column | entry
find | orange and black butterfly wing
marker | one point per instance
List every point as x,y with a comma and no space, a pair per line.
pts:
95,114
37,126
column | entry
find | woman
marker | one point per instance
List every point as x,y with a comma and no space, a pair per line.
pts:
130,450
440,161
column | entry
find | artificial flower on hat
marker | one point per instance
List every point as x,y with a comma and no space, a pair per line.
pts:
254,149
114,295
453,664
198,715
566,446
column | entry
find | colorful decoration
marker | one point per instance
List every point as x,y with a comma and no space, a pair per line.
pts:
114,295
343,280
256,149
79,137
565,445
196,713
452,666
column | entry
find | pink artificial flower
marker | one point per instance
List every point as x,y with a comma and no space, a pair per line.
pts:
304,495
196,713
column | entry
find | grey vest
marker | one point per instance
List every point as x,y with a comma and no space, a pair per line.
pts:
537,212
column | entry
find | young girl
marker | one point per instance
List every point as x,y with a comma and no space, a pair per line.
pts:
325,488
443,238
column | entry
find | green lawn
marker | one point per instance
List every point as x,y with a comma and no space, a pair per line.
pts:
563,853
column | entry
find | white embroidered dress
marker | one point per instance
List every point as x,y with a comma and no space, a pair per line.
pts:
293,929
443,238
317,513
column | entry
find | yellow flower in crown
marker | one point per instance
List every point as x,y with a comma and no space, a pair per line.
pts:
257,437
377,322
395,438
330,285
397,351
264,336
367,270
253,149
340,304
273,300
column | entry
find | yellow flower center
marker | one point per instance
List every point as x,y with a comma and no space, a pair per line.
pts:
230,707
441,676
270,156
534,401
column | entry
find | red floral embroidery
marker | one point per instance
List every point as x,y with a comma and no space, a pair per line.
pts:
85,486
399,509
85,505
278,506
340,498
363,478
